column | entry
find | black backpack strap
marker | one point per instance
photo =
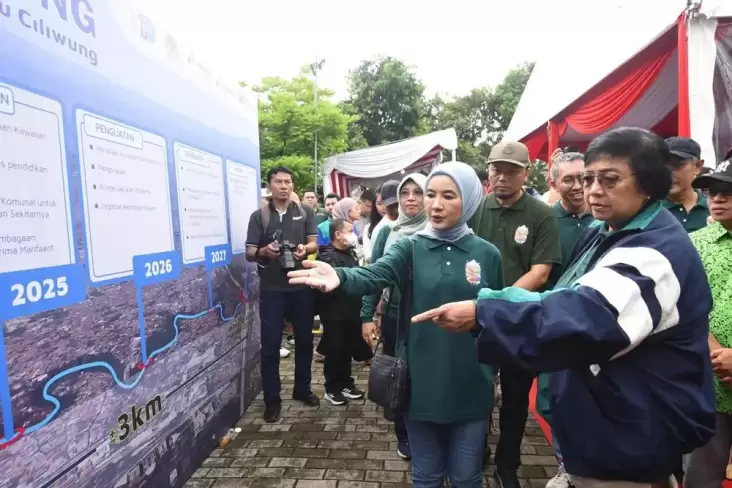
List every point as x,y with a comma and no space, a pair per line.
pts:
266,217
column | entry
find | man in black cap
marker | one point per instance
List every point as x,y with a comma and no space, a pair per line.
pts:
686,204
390,201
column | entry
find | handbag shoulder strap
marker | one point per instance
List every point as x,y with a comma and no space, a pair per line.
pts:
405,302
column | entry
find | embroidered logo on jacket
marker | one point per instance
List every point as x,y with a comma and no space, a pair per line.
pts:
521,234
472,272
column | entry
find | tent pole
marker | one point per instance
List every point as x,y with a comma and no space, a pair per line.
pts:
552,140
684,122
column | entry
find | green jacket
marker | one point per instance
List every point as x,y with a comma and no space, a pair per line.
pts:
447,382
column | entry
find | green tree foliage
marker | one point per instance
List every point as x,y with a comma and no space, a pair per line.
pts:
386,103
508,94
301,166
481,117
356,139
288,120
388,99
539,176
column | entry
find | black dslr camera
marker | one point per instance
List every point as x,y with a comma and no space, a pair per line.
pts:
287,259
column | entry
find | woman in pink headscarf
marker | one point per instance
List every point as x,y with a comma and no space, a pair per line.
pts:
346,209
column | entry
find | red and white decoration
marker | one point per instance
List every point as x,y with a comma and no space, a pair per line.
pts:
370,167
671,73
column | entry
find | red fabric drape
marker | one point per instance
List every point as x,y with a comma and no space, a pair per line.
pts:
535,142
684,125
613,98
555,131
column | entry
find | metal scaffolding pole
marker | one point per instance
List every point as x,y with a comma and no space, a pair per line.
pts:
315,68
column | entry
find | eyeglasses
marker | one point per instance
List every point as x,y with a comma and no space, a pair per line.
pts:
721,191
570,181
414,192
606,180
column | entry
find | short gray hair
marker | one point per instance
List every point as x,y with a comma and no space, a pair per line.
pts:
564,158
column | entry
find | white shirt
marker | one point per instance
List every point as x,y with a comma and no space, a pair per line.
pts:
367,243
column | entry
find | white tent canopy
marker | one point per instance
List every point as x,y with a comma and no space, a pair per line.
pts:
580,60
373,165
617,34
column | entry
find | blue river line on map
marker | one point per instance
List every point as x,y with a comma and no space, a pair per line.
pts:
102,364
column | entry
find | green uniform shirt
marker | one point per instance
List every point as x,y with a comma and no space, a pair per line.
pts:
695,219
525,233
320,216
448,384
714,244
571,227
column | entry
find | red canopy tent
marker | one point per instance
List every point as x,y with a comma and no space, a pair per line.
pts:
671,73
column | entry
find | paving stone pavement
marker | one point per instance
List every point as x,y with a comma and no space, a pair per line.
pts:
334,447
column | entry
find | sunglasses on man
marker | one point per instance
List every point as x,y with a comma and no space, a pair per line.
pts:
723,189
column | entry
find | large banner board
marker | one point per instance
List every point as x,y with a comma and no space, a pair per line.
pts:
128,172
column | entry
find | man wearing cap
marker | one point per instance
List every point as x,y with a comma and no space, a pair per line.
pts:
707,465
686,204
525,231
390,201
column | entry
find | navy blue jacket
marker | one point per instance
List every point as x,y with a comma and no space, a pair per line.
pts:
628,337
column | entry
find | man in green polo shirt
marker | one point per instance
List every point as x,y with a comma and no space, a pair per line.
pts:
572,218
570,211
526,233
685,203
310,198
707,465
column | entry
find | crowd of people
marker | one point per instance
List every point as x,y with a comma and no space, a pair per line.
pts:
614,289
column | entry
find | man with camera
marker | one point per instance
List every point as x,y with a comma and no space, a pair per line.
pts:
279,237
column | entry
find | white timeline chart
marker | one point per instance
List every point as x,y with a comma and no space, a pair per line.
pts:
201,201
126,191
36,229
242,186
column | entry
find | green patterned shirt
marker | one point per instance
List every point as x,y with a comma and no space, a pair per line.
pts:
714,244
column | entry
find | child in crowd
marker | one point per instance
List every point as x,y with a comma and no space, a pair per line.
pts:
341,318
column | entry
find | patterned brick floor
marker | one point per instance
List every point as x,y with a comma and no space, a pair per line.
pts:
333,447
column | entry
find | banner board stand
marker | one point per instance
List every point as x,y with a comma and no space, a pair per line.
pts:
127,176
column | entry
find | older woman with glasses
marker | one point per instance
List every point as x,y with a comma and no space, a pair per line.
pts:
625,331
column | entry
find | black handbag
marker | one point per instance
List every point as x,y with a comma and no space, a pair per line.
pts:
389,376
